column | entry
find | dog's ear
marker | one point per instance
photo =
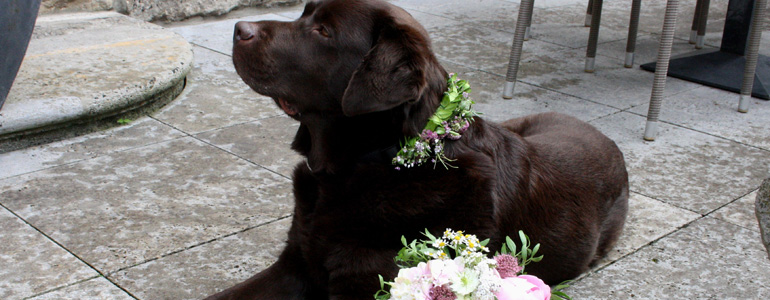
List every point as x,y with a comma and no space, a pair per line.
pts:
393,72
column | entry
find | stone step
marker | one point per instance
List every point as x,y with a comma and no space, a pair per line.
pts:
84,71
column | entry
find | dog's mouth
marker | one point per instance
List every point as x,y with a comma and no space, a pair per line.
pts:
288,108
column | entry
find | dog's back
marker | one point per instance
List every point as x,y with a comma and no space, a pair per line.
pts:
581,175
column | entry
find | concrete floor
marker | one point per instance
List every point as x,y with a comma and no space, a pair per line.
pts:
197,196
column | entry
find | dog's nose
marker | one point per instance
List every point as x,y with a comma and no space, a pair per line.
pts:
245,31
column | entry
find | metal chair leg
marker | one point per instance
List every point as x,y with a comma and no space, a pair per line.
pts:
695,20
588,13
593,37
661,69
633,29
752,54
525,11
703,15
529,23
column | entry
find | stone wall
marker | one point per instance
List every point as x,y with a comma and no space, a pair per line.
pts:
52,6
164,10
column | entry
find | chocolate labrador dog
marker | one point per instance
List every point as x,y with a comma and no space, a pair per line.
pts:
360,76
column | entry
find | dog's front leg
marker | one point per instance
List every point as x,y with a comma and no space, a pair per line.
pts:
353,271
286,279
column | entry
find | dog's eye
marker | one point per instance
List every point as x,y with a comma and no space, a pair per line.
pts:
322,31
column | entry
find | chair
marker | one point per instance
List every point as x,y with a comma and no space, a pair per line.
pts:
524,21
664,55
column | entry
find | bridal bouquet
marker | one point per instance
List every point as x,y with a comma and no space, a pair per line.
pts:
456,266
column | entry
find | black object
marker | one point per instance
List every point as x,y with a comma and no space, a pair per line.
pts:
724,68
17,19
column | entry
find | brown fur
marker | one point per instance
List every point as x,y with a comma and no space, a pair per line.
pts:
371,82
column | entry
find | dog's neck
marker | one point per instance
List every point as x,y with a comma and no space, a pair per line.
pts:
380,156
335,145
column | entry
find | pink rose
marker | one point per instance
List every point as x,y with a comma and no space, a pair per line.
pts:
543,291
412,283
524,287
443,269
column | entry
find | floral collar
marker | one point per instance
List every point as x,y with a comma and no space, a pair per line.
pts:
451,119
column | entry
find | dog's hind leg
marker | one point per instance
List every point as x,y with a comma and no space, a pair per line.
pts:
612,226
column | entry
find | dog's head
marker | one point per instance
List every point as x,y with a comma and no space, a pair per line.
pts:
343,65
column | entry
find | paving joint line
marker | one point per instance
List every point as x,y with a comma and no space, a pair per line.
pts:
106,275
213,50
619,111
677,229
277,219
485,26
729,203
534,85
91,158
538,86
570,95
99,155
531,38
228,152
666,202
648,244
709,213
68,251
63,287
277,115
706,133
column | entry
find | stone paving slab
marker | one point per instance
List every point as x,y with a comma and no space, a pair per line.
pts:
266,142
492,14
122,209
215,97
209,268
685,168
740,212
431,5
487,90
479,7
616,15
611,84
564,25
138,133
427,19
432,21
218,36
716,111
710,259
461,45
97,288
648,220
31,263
647,49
